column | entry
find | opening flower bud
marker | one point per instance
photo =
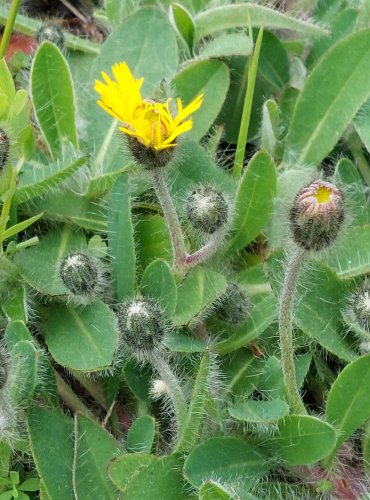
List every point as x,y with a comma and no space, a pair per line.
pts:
4,148
233,305
142,326
51,33
207,210
81,276
316,215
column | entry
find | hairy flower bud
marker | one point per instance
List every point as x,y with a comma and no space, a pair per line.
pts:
51,33
81,276
207,210
357,315
233,306
149,157
142,326
4,148
316,215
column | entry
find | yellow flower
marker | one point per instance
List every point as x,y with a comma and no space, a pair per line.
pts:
150,122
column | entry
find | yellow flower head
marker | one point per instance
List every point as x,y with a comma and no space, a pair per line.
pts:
150,122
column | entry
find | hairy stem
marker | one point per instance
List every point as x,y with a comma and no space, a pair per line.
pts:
175,392
70,398
206,251
9,27
170,214
293,267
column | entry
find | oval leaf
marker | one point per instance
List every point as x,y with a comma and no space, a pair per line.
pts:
53,98
321,116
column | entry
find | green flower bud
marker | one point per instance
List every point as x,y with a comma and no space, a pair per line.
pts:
4,148
81,276
357,315
207,210
317,215
51,33
233,306
142,326
149,158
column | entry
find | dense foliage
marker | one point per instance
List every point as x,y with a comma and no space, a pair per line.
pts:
193,323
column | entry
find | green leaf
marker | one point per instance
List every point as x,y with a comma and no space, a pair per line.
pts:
157,281
141,476
196,293
121,239
342,25
231,460
72,208
320,118
138,379
32,484
83,339
348,404
36,178
7,87
21,226
94,449
348,177
351,256
53,98
270,124
141,434
147,247
244,15
178,342
262,314
14,305
254,201
227,44
211,78
25,358
195,166
192,426
183,23
212,490
15,332
40,265
265,412
52,450
303,440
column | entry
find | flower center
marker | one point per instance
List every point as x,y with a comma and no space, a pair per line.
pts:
323,195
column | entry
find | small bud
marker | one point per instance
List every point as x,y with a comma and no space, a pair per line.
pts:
81,276
149,157
142,326
159,388
316,215
233,305
357,315
51,33
207,210
4,148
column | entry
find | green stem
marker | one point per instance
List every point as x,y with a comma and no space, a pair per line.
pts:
70,398
170,214
175,392
355,146
247,108
293,267
9,27
93,388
